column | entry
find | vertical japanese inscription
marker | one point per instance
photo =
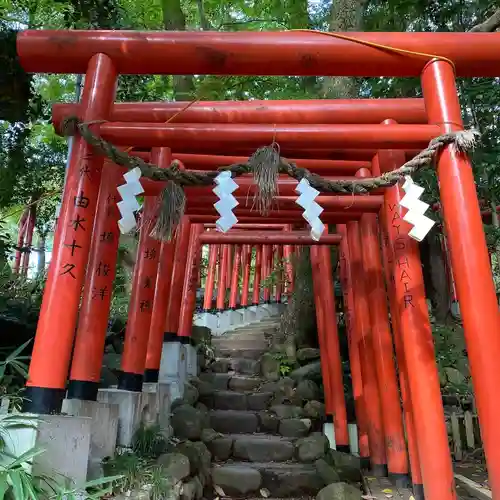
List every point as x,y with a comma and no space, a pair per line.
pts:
401,272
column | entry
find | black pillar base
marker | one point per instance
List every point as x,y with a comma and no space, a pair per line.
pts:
43,400
219,310
83,389
418,491
379,470
400,480
183,339
344,448
170,337
130,382
151,375
365,463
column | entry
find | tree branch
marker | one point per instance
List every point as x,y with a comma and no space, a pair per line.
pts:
491,24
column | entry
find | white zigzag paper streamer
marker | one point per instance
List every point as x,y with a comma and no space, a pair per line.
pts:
416,210
312,210
227,202
129,204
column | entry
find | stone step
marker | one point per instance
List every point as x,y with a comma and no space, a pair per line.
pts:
237,400
234,422
262,448
240,353
240,344
244,383
281,479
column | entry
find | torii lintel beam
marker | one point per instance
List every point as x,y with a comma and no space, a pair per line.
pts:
258,238
257,53
257,111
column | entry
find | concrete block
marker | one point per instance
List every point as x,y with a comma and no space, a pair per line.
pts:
353,438
103,430
164,401
191,360
129,412
249,316
149,406
206,319
173,368
223,322
65,441
329,432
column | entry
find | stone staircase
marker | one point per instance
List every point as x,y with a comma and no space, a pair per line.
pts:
263,442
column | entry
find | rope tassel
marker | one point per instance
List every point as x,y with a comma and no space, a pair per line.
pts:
171,209
265,165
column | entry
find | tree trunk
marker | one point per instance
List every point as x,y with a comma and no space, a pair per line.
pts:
175,20
347,15
41,244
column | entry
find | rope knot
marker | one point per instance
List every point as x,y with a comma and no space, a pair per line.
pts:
70,126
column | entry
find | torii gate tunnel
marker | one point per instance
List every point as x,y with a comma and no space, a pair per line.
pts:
333,138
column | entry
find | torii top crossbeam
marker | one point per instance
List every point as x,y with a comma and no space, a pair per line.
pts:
258,53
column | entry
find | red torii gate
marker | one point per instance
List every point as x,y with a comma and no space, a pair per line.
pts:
102,55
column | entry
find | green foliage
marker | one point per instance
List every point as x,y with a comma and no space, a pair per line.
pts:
286,364
149,441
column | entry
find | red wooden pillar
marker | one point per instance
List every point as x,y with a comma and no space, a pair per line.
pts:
235,278
266,270
413,316
364,338
161,294
190,283
330,350
142,296
213,254
160,310
354,356
279,283
229,266
50,360
90,337
395,444
257,275
177,282
469,257
388,259
222,279
246,256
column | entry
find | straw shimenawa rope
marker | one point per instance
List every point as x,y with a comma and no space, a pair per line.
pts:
265,165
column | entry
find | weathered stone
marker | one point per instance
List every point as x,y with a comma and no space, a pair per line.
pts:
290,480
307,354
312,447
204,387
314,409
108,377
294,427
198,487
190,394
112,361
339,491
188,490
245,366
243,383
202,407
236,479
347,466
259,400
287,411
270,367
198,455
188,422
175,465
454,376
306,390
269,421
221,447
230,400
311,371
326,471
220,365
134,495
201,361
263,448
208,435
234,422
219,381
200,334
